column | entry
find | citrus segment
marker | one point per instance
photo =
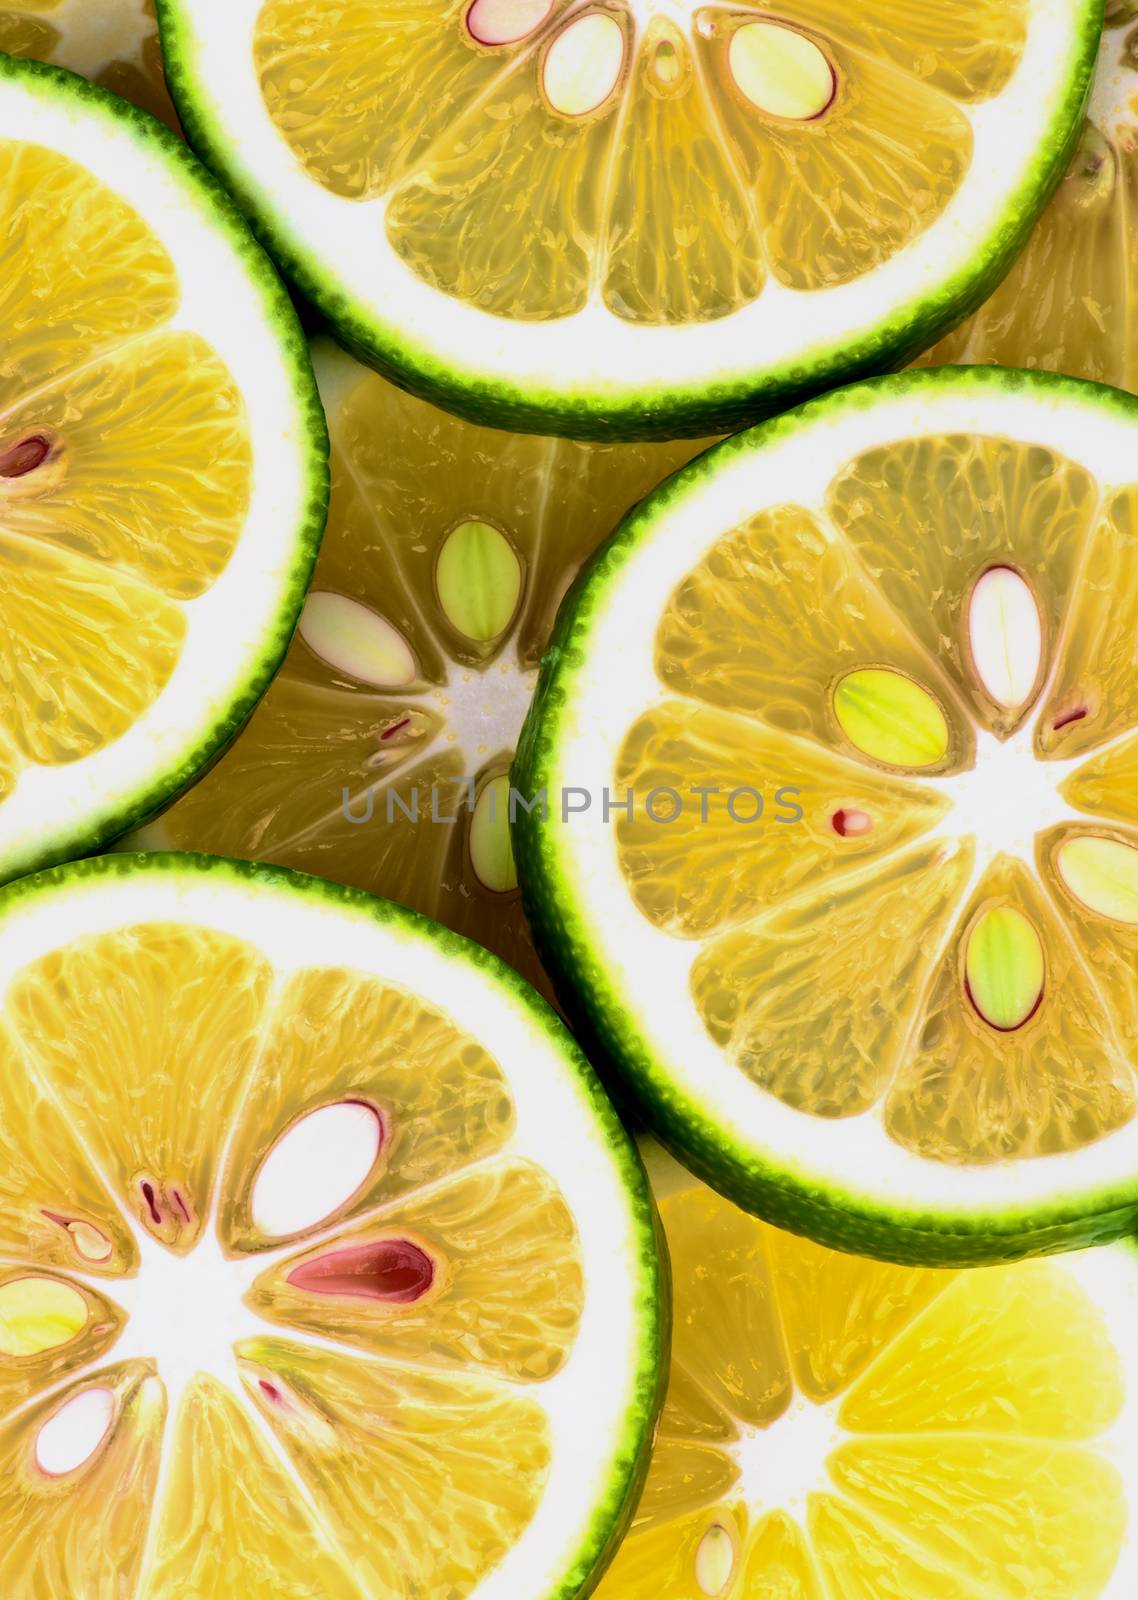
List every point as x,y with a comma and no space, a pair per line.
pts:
552,194
180,998
940,1433
966,50
122,476
973,508
1092,697
977,1512
783,565
1067,304
756,989
338,1036
404,1466
690,877
973,1090
75,245
1090,879
70,1519
53,1207
84,651
158,446
484,1273
387,737
229,1507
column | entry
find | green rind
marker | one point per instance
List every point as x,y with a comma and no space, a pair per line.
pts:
614,1509
781,1193
660,413
206,192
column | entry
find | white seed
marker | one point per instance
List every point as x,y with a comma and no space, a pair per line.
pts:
506,21
1005,635
582,65
491,852
356,640
715,1560
781,71
316,1168
70,1438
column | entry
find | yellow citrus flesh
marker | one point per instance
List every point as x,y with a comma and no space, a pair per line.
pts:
532,157
1068,303
97,395
431,636
112,42
385,1433
836,1426
831,684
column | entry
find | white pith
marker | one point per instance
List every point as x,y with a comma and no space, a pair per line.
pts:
228,627
1115,86
594,351
647,970
186,1313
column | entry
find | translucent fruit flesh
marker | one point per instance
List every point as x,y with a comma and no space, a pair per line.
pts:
384,1436
1068,304
533,157
952,957
837,1427
109,518
112,42
448,550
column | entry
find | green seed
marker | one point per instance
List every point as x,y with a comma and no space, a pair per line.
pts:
479,579
1103,874
1005,968
891,718
38,1314
491,852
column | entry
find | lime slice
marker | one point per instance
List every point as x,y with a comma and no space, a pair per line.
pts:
163,471
1068,304
839,1429
112,42
328,1269
631,217
843,728
379,755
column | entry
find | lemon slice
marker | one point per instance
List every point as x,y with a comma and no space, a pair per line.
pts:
627,216
163,469
112,42
1068,304
379,756
838,1429
326,1267
840,862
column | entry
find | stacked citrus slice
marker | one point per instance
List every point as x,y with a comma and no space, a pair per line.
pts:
843,727
162,467
588,215
1068,304
837,1429
112,42
380,755
327,1269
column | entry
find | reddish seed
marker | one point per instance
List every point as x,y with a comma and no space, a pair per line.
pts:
395,1271
389,733
851,824
1068,717
151,1202
270,1389
24,457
